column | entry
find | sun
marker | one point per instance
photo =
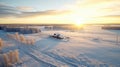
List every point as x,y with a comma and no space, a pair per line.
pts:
78,22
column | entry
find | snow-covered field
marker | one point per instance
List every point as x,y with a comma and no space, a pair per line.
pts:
88,48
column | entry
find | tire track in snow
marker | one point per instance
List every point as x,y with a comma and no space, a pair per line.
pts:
57,57
41,58
47,58
38,59
24,48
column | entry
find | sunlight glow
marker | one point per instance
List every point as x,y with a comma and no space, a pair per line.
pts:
77,13
78,23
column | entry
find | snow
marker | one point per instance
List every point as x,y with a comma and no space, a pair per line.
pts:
91,47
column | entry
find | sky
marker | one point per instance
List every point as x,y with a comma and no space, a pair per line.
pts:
59,11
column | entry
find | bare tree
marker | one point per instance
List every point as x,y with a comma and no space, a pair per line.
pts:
16,52
11,58
17,36
22,38
6,60
1,44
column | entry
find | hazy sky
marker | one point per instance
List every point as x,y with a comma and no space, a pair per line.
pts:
59,11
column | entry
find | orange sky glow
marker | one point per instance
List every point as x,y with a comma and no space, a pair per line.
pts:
79,12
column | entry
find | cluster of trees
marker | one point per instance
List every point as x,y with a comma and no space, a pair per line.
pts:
21,38
10,58
68,27
1,44
22,30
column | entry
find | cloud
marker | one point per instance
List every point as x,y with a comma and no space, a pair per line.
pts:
43,13
20,12
82,8
7,11
94,8
25,8
111,16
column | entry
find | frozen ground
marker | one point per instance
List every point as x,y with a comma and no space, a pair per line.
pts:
88,48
